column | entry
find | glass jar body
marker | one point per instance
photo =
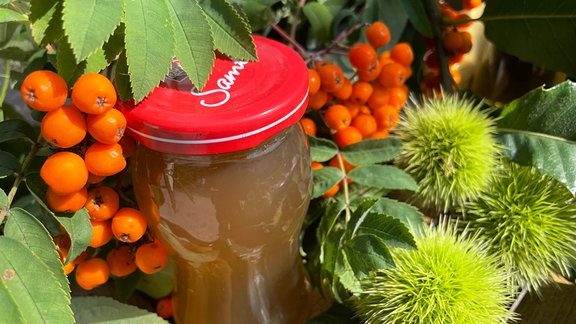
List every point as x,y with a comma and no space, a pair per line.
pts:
232,222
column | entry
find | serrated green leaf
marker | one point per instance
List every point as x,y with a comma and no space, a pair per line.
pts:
46,20
552,156
68,69
195,46
535,31
3,199
345,277
9,15
77,224
27,229
115,44
321,149
320,19
89,23
328,222
386,228
27,294
108,310
549,111
149,44
16,128
409,215
366,254
8,164
372,151
230,31
383,176
324,179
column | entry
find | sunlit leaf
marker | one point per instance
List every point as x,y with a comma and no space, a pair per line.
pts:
107,310
27,293
89,23
46,20
9,15
383,176
372,151
320,19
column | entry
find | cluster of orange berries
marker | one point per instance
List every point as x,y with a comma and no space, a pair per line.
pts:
456,43
368,103
87,134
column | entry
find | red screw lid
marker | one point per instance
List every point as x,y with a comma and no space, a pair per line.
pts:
242,104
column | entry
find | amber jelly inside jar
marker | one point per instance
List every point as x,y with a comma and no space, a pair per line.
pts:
227,187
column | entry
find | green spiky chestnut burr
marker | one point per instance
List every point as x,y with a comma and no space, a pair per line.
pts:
449,278
529,222
449,148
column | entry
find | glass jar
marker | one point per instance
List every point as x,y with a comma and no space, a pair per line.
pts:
224,178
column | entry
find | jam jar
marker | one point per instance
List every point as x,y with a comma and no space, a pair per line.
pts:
224,178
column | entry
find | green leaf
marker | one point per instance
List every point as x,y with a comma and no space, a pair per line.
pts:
122,78
345,276
77,224
16,128
386,228
68,69
324,179
3,199
535,31
8,164
409,215
195,47
320,19
159,284
46,20
27,229
230,31
383,176
9,15
366,254
328,222
552,156
550,111
149,44
372,151
27,294
417,16
108,310
321,149
89,23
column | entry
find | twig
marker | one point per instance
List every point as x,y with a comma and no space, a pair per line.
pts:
518,300
290,39
436,21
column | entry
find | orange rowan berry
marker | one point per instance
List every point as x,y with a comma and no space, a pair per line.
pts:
331,77
332,191
101,233
337,117
335,162
318,100
386,116
63,127
94,179
67,203
365,123
104,159
362,56
381,133
308,125
378,34
345,90
371,73
107,127
121,261
398,96
165,308
392,75
317,165
128,225
151,257
380,96
44,90
347,136
353,108
93,93
361,91
402,53
65,172
92,273
102,202
313,81
471,4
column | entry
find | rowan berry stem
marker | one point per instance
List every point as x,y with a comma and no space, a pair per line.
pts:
435,18
21,175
